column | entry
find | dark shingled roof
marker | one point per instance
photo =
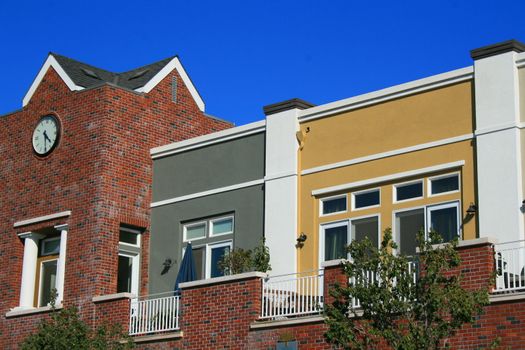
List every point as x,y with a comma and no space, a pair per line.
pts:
86,75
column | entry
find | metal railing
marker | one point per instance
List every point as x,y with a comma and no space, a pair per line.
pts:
509,260
292,295
154,315
370,277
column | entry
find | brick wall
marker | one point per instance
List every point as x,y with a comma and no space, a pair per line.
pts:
101,170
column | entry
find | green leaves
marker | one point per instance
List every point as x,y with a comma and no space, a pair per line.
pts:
239,260
394,307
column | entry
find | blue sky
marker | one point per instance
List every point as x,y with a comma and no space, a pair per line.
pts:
243,55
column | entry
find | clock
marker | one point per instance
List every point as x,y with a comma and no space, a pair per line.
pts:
46,135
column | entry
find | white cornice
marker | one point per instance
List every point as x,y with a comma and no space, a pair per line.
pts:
42,218
174,64
391,153
207,193
390,177
390,93
520,60
50,62
209,139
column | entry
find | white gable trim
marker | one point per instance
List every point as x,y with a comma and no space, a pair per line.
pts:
174,64
50,62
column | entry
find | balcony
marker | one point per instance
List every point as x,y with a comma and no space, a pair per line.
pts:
154,314
509,259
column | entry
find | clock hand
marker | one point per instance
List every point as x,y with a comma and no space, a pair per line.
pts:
46,137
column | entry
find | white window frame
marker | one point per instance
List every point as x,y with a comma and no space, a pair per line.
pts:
191,224
322,200
329,225
44,241
364,192
135,269
396,234
134,231
211,246
377,215
39,286
432,207
212,221
443,176
407,183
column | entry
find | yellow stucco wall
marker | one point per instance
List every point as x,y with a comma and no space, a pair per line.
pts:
413,120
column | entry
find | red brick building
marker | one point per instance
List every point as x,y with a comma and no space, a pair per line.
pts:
76,167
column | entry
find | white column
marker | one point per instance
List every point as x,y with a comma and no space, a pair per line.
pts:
27,287
61,265
280,222
499,148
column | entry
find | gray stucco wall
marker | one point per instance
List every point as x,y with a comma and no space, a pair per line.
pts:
218,165
247,204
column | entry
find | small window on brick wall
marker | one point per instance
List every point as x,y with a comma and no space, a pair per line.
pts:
128,260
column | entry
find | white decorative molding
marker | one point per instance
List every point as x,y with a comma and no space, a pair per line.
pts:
174,64
520,60
156,337
50,62
330,263
209,139
42,218
500,127
390,177
410,88
207,193
286,322
223,279
280,176
36,310
109,297
394,152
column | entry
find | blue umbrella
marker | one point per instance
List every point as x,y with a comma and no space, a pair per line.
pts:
186,269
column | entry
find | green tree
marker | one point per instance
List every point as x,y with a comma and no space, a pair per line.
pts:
393,307
64,330
239,260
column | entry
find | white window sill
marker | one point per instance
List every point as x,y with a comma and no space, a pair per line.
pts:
109,297
17,311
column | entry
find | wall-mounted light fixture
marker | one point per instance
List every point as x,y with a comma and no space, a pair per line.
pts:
300,240
166,265
472,209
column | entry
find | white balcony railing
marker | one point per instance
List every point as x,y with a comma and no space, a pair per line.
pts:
154,315
509,260
370,277
292,295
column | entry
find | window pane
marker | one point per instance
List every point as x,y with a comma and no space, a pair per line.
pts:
222,226
366,199
414,190
125,264
368,227
445,184
335,241
128,237
198,258
50,247
195,231
216,255
408,224
445,222
48,281
334,205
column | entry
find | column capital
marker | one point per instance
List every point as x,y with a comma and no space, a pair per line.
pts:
32,235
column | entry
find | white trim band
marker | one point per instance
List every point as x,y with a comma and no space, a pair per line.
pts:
42,218
500,127
207,193
387,94
394,152
385,178
209,139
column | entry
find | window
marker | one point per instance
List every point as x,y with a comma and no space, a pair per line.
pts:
128,268
336,236
46,273
333,205
442,218
408,191
443,184
212,239
365,199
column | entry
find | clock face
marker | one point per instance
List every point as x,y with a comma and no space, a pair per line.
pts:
45,136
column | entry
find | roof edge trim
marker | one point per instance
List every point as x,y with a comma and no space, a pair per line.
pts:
174,64
50,62
390,93
208,139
